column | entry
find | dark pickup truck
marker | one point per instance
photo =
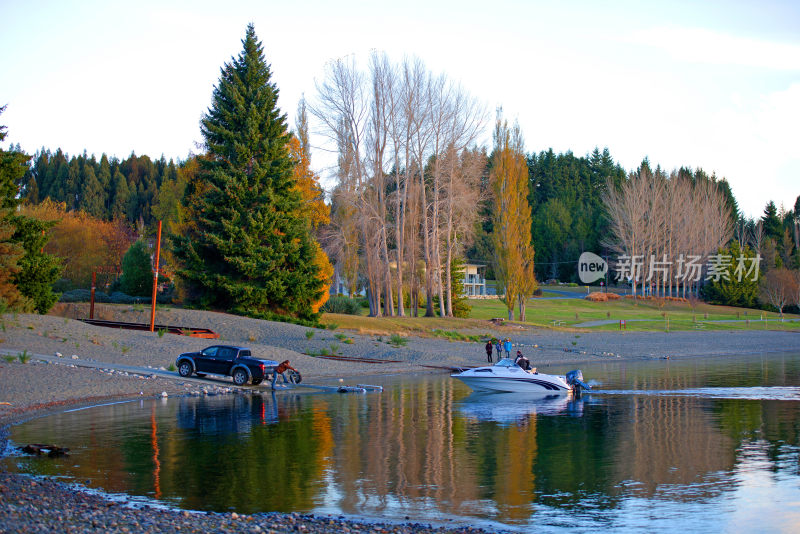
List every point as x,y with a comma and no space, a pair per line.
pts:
226,360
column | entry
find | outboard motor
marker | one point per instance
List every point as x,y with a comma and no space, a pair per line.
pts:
575,379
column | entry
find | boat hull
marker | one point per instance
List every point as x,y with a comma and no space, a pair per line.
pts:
528,383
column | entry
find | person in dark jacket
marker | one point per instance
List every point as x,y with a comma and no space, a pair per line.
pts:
489,351
522,361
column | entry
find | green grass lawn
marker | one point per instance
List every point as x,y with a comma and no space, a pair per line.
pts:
640,315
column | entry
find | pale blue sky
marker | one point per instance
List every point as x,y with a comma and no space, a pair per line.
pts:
706,84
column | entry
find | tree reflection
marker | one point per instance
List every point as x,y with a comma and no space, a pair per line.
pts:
425,447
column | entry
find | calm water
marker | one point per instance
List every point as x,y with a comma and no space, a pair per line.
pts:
711,446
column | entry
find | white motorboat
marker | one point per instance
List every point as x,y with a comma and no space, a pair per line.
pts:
507,376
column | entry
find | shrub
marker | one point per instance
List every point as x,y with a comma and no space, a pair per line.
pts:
117,297
601,297
341,304
397,340
309,334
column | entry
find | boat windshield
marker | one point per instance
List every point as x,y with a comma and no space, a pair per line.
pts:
505,362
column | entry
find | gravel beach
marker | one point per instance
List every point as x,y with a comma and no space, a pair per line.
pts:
132,364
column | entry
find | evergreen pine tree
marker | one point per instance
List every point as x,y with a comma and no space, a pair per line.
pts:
121,195
91,197
250,251
72,186
59,190
39,270
104,177
137,270
737,289
772,223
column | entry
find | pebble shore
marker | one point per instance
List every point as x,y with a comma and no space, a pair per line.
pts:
42,506
38,388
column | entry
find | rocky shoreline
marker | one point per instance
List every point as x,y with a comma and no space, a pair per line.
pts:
37,388
44,506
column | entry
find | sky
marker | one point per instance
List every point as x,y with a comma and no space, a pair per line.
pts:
712,85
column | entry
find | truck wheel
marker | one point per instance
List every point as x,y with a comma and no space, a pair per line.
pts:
185,369
294,377
240,377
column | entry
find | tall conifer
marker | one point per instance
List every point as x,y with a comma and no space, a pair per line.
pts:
250,251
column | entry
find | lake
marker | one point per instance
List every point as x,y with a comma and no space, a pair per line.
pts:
710,445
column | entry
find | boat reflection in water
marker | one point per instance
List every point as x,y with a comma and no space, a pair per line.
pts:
517,408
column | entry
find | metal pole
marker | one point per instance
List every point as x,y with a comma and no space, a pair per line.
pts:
155,280
91,300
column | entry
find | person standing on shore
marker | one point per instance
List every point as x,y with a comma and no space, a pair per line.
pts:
489,351
498,348
279,370
507,347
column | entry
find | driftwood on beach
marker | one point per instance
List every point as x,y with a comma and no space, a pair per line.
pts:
40,449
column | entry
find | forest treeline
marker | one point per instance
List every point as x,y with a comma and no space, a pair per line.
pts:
565,197
131,189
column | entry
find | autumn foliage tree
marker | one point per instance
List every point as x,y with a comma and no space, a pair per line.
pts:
27,273
313,206
511,239
12,167
10,254
83,242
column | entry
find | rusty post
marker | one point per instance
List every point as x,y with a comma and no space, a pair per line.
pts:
155,280
91,300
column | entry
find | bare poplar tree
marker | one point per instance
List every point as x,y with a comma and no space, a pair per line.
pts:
655,218
394,127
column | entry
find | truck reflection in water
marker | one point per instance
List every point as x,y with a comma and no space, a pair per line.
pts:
234,415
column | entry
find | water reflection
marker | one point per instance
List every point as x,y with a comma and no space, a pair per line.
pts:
518,408
429,449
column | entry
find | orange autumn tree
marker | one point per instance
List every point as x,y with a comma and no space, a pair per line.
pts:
314,207
84,242
511,237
